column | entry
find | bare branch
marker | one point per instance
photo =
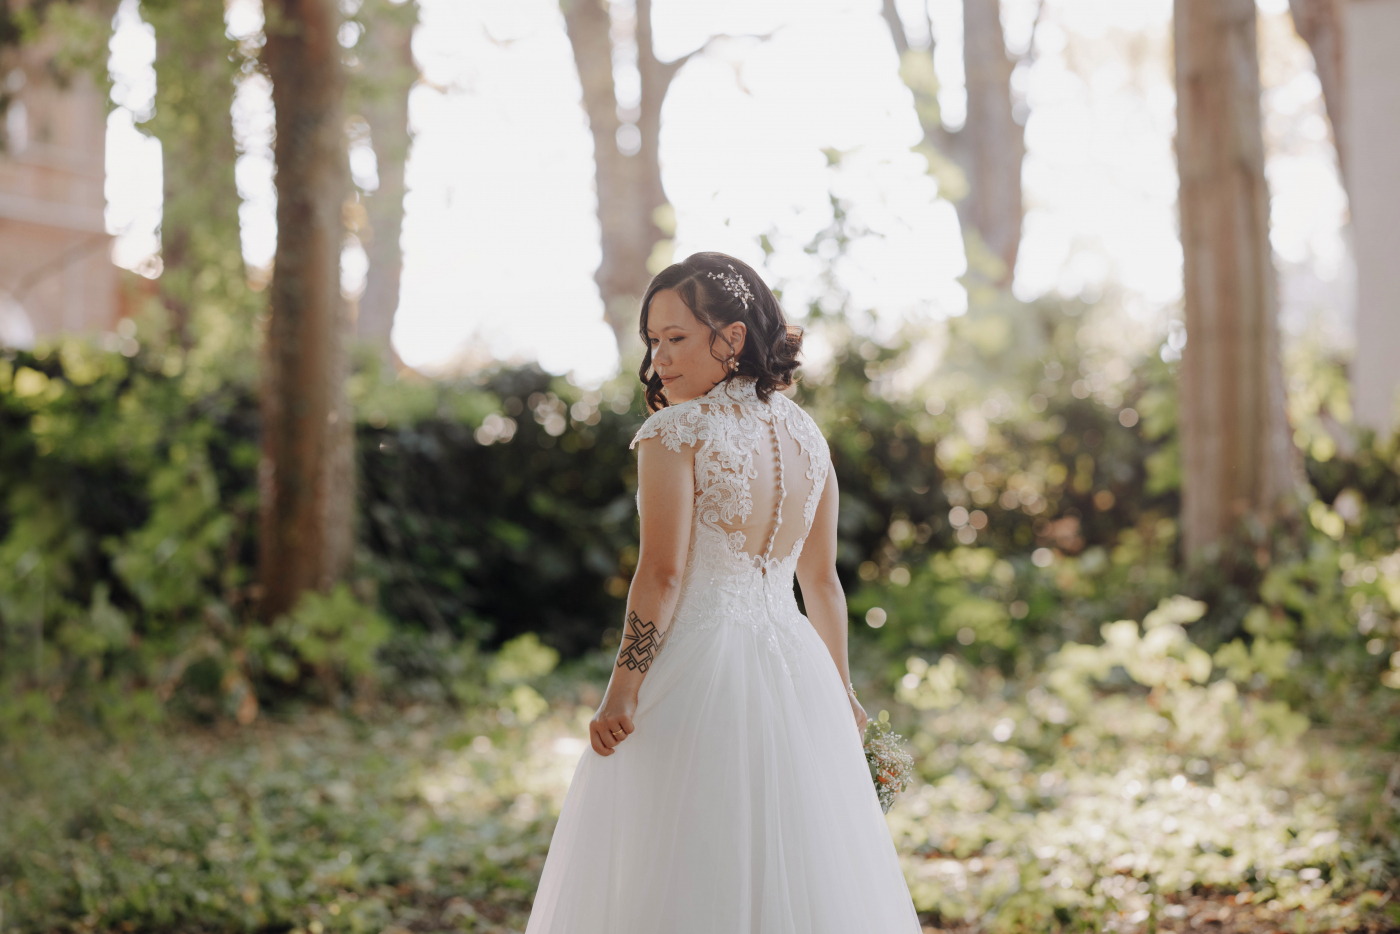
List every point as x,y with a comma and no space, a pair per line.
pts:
1319,22
504,43
451,87
670,68
1029,57
897,33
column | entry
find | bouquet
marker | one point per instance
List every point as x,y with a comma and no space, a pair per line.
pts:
891,768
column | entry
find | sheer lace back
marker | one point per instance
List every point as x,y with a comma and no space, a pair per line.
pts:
760,468
759,472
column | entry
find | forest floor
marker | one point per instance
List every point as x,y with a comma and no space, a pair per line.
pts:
425,819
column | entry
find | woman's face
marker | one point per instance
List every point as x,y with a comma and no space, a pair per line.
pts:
680,348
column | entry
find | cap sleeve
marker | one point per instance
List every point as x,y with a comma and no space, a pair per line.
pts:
675,425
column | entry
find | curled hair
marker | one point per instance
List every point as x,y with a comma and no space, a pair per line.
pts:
771,346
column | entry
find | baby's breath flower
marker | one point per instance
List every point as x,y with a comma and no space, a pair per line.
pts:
891,768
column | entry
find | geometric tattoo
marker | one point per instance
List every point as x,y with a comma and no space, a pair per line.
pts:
642,643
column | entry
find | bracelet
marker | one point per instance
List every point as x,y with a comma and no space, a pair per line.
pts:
850,689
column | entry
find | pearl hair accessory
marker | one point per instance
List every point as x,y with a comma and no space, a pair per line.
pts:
734,284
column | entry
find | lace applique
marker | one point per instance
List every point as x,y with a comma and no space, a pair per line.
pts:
676,425
725,423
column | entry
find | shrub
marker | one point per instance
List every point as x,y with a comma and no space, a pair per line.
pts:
1133,773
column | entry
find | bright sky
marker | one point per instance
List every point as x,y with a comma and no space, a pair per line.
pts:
500,236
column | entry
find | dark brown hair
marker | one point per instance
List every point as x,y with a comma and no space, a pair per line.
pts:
771,346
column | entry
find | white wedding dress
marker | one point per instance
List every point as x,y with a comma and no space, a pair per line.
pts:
742,803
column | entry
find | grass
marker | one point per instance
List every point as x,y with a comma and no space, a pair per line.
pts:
1028,816
419,819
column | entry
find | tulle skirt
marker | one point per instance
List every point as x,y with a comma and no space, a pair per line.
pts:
741,804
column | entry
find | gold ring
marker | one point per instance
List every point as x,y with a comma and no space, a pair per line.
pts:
615,732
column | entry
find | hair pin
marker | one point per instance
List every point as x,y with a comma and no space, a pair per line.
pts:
734,284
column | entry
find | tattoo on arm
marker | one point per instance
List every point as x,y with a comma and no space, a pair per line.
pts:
640,644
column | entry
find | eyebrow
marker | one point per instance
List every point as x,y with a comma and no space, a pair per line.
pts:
669,327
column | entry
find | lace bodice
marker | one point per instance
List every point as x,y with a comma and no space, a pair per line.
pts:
760,468
749,454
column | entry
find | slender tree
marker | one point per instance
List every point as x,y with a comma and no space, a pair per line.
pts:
990,147
307,472
629,187
1319,22
1237,450
631,199
196,67
1355,87
379,91
1373,127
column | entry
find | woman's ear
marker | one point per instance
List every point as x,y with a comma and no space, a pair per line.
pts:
734,334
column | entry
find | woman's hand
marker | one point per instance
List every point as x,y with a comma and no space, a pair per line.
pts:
613,722
859,711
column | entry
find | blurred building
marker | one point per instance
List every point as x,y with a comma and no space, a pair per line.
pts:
56,272
1372,30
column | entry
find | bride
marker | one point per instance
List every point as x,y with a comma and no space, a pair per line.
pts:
726,791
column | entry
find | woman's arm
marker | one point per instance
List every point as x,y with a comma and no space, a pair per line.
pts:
665,501
821,588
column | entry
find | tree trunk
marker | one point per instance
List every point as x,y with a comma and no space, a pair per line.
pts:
380,93
1237,450
196,67
629,186
656,82
1319,22
990,147
1372,137
307,474
996,143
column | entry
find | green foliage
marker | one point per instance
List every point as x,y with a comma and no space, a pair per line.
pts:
333,635
1029,810
125,508
523,658
507,500
128,520
203,283
1127,777
502,505
1008,481
321,827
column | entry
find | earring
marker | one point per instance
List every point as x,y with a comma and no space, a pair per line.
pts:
732,364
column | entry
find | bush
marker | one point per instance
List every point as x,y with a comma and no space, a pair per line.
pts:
1130,775
333,636
1009,500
